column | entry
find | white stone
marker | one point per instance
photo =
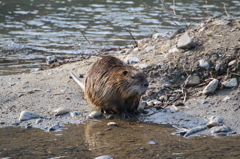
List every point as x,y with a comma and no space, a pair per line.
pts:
131,59
226,98
112,124
149,48
26,115
211,87
204,64
185,42
60,111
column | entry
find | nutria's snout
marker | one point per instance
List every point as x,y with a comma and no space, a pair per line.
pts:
146,84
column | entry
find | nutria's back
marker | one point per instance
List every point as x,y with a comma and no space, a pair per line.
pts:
111,84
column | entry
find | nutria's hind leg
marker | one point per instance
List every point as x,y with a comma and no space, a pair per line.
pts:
135,111
126,114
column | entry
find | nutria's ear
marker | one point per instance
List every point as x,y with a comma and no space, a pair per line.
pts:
124,73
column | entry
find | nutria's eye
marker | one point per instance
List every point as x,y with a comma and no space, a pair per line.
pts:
125,73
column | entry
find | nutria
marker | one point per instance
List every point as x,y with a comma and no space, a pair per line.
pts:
112,85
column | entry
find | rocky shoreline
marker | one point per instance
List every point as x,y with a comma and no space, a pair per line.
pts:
193,75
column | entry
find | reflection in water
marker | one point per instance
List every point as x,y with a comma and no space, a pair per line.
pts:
43,28
124,141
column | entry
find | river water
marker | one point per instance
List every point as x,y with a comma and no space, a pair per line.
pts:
30,30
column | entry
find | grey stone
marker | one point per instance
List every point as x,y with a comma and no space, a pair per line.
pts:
60,111
27,115
211,87
193,81
51,59
94,115
54,127
186,42
131,59
204,64
104,157
219,129
178,31
38,121
230,83
195,130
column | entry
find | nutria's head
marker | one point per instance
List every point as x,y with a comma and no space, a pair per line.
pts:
130,81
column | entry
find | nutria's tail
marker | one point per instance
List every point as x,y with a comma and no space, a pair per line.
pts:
77,81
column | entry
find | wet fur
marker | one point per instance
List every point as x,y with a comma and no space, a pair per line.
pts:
111,84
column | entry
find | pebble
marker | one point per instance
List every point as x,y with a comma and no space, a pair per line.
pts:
36,69
112,124
217,67
193,81
211,124
38,121
104,157
211,87
186,42
173,50
176,32
74,114
195,130
26,115
15,124
163,98
100,133
204,64
157,35
94,115
51,59
131,59
142,66
149,48
54,127
226,98
216,119
152,143
220,129
157,102
60,111
221,22
150,103
232,62
230,83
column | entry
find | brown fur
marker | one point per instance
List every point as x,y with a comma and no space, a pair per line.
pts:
111,84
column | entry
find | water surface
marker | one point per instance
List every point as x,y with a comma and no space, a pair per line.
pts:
30,30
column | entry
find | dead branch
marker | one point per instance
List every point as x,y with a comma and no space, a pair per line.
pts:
129,31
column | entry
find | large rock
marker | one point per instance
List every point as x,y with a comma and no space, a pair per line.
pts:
231,83
211,87
186,42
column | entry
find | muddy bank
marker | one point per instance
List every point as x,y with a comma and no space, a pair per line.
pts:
127,140
168,69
